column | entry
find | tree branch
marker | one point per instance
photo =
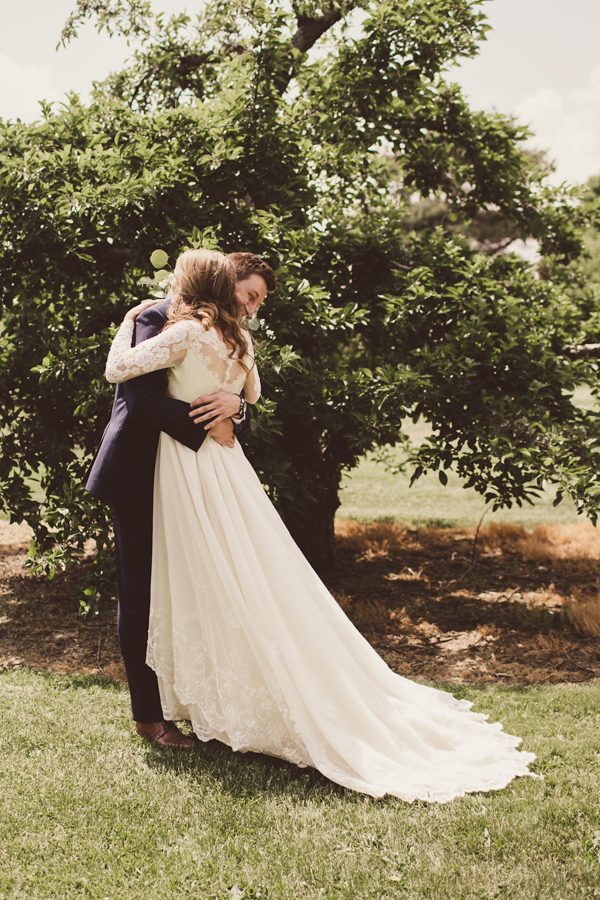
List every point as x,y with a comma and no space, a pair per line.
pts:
581,351
192,61
308,32
310,29
189,62
494,248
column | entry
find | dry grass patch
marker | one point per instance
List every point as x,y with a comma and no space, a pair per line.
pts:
584,614
504,603
514,607
580,540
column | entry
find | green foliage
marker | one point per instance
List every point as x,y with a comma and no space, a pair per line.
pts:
230,130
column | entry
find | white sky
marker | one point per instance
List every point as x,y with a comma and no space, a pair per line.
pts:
541,62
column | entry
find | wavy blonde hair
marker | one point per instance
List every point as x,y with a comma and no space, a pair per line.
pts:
203,288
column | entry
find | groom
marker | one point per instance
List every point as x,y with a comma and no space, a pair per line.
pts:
122,474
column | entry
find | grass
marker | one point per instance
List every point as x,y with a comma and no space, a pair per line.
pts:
370,492
92,811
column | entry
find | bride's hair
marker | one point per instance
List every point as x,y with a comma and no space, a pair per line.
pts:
203,288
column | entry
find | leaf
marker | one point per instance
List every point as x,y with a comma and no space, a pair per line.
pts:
159,259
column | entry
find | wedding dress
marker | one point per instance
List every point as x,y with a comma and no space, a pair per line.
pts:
247,642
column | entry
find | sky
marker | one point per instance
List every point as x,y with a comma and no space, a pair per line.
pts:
540,62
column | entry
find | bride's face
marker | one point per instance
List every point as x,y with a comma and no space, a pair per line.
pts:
251,293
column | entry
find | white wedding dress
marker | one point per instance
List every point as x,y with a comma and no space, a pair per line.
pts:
247,642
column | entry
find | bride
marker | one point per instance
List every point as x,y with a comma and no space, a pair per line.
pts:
246,641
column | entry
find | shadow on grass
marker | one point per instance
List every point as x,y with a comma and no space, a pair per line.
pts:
248,774
41,626
57,681
251,775
240,774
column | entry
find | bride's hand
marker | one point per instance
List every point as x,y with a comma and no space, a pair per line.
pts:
223,434
134,312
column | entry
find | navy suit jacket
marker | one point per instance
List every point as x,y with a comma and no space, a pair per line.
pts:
123,468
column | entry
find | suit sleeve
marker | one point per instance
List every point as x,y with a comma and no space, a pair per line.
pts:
146,398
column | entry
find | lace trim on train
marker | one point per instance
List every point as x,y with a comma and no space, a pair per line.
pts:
215,692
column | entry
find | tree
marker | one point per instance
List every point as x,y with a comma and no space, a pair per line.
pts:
265,125
591,199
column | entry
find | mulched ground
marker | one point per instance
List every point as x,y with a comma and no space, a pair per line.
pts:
510,606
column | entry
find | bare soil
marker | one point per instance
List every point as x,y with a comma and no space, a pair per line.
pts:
439,604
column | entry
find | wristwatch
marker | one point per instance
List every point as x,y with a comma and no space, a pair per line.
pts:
242,410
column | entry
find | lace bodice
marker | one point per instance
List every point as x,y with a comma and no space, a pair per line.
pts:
198,361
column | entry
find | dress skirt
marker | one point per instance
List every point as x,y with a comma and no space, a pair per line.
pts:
250,647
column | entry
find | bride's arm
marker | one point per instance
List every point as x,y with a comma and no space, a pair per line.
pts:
159,352
252,383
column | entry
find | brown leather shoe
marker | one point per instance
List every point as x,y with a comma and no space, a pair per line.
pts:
165,734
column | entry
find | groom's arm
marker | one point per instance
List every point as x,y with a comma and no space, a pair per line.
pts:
145,395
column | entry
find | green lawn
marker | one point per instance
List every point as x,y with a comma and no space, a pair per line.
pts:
89,810
371,492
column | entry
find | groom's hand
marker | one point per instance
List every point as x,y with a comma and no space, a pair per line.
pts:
223,433
218,406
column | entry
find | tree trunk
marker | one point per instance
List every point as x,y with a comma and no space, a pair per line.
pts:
310,518
310,499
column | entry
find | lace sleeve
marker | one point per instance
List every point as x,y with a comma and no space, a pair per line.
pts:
158,352
252,383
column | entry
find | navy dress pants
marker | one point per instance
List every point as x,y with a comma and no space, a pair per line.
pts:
133,541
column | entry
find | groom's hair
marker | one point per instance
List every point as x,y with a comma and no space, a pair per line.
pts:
246,264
